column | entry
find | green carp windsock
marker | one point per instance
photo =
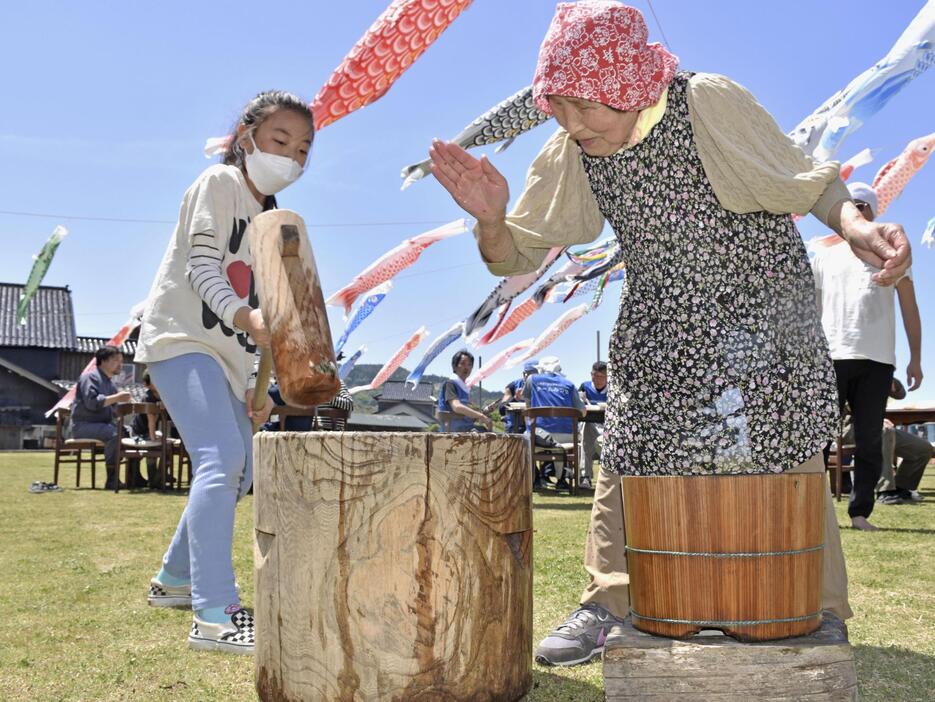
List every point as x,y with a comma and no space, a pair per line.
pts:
503,122
41,265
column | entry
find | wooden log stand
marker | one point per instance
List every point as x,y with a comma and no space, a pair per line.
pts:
393,567
818,667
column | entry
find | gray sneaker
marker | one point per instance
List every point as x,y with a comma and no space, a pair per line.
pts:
579,638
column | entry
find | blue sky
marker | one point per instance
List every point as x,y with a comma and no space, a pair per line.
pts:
109,105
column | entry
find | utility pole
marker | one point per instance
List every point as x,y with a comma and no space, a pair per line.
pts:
598,344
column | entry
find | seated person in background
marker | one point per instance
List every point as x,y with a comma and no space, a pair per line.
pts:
92,414
144,427
593,392
549,388
511,393
343,401
454,396
514,393
900,484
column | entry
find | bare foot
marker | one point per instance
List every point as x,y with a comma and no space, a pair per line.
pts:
862,524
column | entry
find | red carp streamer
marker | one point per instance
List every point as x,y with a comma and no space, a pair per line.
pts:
392,44
395,361
519,315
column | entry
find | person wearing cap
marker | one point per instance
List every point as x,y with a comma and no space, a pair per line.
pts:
718,363
859,319
548,387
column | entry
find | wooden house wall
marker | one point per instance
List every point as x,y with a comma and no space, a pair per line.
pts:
16,390
42,362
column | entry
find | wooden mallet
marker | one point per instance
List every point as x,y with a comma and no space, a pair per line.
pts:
293,308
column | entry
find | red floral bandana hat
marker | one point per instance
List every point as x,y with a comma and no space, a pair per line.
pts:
596,50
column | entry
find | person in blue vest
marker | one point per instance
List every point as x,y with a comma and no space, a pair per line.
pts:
593,392
549,388
513,392
454,398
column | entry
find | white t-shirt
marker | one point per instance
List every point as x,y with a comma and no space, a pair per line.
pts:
858,316
177,320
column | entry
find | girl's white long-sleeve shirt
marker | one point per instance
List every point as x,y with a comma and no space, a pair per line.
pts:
205,276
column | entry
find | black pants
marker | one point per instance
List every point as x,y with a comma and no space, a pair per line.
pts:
864,385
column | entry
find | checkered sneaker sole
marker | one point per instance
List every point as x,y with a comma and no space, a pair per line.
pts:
161,595
178,597
236,637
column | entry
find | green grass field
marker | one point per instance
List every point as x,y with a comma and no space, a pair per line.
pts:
75,568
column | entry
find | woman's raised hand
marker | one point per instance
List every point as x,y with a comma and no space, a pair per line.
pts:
475,184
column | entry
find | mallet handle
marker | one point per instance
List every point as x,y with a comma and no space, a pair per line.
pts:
262,379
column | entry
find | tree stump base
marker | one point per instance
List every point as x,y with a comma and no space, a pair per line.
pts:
818,667
393,566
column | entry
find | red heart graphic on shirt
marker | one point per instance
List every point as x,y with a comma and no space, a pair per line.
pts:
239,274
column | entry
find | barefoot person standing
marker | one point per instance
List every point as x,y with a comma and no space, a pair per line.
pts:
859,320
717,363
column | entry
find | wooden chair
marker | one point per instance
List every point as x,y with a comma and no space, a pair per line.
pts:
178,451
179,460
840,452
72,451
136,449
568,452
323,418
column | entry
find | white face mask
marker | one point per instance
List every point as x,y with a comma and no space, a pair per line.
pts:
271,173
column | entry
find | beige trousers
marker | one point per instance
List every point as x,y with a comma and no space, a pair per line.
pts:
606,562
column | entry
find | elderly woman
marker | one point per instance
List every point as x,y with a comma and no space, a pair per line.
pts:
718,363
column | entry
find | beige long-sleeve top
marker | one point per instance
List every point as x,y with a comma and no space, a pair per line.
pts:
751,165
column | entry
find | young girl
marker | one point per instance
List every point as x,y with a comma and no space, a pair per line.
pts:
199,336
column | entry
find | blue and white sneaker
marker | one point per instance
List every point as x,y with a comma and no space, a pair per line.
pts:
42,486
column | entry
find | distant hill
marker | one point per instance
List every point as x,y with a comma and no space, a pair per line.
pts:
364,401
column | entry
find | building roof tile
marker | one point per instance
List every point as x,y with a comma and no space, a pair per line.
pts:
50,320
403,392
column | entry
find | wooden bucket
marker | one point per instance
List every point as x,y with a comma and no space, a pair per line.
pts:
742,554
393,566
